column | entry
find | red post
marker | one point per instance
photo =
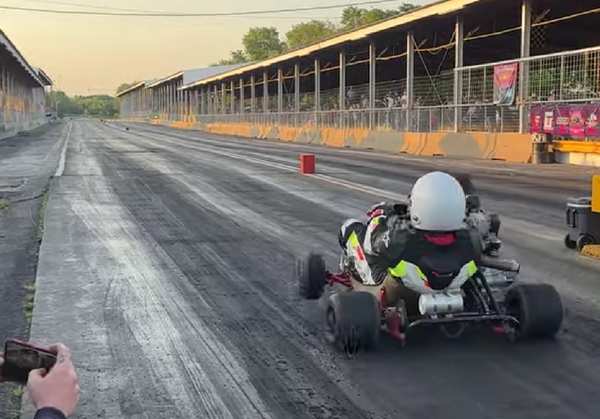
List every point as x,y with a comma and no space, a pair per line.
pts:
307,164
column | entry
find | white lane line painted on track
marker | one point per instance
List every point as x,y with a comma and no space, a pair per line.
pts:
63,155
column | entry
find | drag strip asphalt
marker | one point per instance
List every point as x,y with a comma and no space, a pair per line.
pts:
167,267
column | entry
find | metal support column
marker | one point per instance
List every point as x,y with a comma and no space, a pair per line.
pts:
342,95
317,88
166,104
232,87
223,99
458,76
410,79
265,92
216,100
252,94
372,83
167,101
171,102
280,95
242,97
297,93
524,66
202,100
342,92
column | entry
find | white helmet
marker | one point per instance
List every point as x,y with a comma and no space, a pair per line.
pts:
437,203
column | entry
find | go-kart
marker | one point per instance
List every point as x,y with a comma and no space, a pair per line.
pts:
482,293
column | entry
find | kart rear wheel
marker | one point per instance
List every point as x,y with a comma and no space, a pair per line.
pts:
537,307
311,276
353,321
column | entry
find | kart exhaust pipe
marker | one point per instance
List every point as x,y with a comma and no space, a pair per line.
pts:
440,303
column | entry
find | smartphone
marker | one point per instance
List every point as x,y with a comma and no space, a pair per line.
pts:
22,357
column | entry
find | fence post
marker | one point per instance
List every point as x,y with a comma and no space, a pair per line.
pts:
297,92
342,93
372,81
458,81
524,65
317,90
410,78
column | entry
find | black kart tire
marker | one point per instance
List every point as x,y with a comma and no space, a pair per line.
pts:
311,277
495,224
571,244
584,240
538,308
353,321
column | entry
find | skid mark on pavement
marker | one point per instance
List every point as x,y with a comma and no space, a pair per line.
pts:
198,373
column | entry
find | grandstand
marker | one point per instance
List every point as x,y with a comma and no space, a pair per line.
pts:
484,66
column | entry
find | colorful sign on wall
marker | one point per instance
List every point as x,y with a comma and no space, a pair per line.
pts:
569,121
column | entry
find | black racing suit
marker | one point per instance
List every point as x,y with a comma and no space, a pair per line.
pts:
388,239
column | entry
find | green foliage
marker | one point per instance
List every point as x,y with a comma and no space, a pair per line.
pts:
309,32
261,43
125,86
96,105
237,56
354,17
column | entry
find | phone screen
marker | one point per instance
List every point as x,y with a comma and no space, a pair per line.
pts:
20,358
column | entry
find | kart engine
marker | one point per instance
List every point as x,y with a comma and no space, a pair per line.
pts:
440,303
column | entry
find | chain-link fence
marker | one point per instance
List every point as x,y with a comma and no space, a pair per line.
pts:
494,94
496,97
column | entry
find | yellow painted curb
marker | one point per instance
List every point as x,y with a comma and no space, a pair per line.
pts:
592,250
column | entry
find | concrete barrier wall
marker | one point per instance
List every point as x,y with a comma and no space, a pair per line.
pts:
509,147
480,145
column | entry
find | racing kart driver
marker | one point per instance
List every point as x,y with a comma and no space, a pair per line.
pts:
429,232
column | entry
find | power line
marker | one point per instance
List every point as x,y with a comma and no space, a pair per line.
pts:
88,6
161,14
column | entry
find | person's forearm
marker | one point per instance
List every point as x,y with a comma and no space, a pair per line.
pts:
49,413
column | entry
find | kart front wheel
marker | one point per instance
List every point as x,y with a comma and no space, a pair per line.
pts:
537,307
311,276
353,321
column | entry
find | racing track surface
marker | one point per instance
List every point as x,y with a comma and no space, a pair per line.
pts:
167,267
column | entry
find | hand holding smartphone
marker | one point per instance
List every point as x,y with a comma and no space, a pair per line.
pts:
20,358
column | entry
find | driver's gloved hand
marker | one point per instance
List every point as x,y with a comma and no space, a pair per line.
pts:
383,208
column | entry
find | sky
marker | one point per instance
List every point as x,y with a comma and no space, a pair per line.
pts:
87,55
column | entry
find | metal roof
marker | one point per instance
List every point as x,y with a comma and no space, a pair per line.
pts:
193,75
435,9
7,43
43,76
132,88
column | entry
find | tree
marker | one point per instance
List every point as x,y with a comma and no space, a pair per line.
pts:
407,7
354,17
261,43
238,56
97,105
309,33
124,86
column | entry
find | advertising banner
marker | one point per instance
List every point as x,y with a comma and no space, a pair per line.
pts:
505,84
568,121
